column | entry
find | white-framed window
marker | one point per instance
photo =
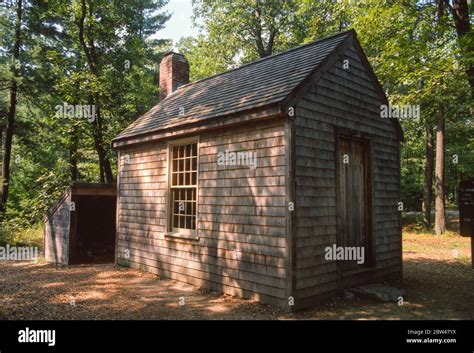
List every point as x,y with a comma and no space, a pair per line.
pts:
183,174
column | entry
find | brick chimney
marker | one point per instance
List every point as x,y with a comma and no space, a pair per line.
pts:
174,72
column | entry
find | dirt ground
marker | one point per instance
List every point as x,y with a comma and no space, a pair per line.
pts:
438,283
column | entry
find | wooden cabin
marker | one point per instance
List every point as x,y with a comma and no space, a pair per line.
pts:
80,227
242,181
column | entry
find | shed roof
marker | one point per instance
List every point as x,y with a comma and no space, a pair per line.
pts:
261,83
81,188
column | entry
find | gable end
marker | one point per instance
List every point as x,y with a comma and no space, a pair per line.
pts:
306,85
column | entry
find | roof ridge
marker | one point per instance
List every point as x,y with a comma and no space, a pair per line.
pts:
267,57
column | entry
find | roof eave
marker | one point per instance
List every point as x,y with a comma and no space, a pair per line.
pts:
240,117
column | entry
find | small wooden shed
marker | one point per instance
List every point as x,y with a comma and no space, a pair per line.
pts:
245,182
80,227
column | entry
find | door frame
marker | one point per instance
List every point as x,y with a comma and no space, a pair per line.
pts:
370,256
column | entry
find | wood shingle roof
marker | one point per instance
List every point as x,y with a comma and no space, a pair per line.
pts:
260,83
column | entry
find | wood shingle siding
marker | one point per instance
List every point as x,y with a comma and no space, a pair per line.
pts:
239,208
56,230
342,99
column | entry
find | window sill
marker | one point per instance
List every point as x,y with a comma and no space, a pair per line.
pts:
179,235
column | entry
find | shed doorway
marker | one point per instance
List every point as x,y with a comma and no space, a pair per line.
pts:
94,239
80,227
354,201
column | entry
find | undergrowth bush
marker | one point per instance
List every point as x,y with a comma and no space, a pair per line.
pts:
17,234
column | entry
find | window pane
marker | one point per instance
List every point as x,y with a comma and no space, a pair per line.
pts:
175,221
188,150
189,208
176,207
188,164
194,149
194,164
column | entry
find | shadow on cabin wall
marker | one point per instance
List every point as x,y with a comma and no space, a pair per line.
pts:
233,252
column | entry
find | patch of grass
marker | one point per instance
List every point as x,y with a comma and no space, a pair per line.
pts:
21,236
449,246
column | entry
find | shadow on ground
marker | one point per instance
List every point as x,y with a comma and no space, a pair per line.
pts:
43,291
435,289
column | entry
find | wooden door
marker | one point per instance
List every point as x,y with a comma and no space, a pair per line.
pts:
354,219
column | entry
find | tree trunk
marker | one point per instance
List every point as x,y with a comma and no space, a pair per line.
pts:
11,112
427,192
440,221
89,51
259,37
105,168
73,170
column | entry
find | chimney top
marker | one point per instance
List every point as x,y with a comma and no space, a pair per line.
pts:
172,52
174,72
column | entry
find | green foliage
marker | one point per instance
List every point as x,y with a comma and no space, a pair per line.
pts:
16,234
415,53
54,71
204,58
